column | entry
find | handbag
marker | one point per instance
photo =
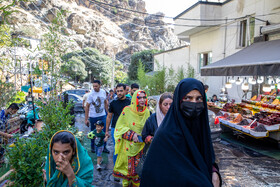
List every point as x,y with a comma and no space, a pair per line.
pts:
140,165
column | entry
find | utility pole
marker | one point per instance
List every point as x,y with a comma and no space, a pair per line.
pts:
20,73
113,72
116,50
15,59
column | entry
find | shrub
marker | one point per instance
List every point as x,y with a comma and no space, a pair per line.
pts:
18,98
27,157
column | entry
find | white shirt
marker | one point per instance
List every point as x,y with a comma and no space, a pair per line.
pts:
96,101
85,97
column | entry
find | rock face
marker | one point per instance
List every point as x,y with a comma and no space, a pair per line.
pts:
103,24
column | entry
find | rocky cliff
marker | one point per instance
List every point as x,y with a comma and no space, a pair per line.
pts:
112,29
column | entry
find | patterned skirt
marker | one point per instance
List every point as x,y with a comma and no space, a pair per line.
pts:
132,164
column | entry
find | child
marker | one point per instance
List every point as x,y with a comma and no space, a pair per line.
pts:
99,136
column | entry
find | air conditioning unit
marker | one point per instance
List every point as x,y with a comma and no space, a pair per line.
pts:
270,29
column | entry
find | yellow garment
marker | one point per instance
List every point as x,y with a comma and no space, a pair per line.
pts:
129,182
130,119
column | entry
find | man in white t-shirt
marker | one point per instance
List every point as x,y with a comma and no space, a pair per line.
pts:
96,108
85,97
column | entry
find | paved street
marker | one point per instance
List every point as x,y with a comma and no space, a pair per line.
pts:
239,166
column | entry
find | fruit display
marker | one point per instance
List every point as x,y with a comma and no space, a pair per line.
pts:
258,116
275,102
260,128
244,122
253,124
254,98
219,114
232,108
271,119
238,119
258,98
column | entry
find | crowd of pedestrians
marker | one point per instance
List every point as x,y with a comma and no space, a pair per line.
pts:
171,147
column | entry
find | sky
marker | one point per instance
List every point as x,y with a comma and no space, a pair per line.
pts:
170,8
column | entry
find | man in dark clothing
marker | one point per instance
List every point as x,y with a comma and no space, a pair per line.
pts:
5,115
115,109
133,87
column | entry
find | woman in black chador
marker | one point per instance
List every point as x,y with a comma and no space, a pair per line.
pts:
181,153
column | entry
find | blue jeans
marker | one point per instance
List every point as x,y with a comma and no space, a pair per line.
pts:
112,134
92,127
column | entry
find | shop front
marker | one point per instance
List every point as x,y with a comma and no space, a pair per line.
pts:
258,67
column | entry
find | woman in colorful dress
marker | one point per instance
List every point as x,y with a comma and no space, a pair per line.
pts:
129,144
68,163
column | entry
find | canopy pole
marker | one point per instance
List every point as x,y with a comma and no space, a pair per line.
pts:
225,40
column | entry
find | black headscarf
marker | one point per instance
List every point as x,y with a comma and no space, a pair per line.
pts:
181,153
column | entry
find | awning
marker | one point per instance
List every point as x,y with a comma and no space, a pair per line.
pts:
262,58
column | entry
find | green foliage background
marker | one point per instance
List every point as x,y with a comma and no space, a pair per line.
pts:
146,58
163,80
91,59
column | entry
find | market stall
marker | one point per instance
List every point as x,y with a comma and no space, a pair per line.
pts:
258,117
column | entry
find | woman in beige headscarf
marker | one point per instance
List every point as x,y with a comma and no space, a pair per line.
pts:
154,121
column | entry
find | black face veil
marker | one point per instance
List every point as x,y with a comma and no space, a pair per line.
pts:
181,153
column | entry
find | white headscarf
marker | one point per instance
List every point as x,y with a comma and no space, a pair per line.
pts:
159,114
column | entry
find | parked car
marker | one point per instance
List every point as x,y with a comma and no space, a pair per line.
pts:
79,92
215,128
78,101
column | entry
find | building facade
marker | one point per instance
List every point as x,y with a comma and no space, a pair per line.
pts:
217,30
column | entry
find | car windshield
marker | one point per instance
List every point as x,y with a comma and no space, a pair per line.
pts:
77,92
72,97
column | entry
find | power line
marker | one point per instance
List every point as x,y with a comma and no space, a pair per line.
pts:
161,16
150,27
172,24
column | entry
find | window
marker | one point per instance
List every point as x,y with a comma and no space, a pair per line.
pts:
246,37
252,30
242,33
71,97
204,59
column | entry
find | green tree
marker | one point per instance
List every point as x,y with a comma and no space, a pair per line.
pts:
146,57
75,68
160,80
55,46
99,64
144,80
190,71
155,84
7,92
120,75
171,79
180,74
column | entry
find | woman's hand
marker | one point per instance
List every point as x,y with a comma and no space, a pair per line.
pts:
44,174
106,139
64,166
149,139
135,138
215,179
